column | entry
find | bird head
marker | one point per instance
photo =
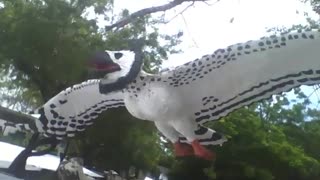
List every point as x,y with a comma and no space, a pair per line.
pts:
110,65
117,69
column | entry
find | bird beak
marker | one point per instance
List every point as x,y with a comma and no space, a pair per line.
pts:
97,71
107,67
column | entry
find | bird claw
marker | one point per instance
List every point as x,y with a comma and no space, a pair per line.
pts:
183,149
202,152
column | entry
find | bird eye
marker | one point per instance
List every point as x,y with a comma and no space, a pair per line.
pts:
118,55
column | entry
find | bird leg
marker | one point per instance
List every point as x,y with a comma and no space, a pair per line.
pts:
182,149
202,152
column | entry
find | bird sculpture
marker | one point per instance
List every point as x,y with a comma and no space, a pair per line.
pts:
181,100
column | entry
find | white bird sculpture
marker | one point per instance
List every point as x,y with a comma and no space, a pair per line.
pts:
181,100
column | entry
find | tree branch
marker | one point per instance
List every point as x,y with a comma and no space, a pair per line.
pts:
143,12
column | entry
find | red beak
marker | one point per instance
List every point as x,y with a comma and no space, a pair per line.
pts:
108,67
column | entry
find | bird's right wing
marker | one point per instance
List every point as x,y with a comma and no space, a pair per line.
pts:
215,85
75,108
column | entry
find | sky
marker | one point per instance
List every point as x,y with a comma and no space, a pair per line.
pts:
207,27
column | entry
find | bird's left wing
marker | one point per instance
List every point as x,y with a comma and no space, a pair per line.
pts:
75,108
230,78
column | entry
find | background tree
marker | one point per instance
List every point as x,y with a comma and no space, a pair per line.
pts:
44,49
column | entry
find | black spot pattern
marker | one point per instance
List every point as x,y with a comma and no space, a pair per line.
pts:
215,137
77,87
63,101
53,115
208,99
201,131
260,91
201,68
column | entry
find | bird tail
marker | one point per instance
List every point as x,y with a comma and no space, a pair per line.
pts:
19,126
207,136
35,111
28,125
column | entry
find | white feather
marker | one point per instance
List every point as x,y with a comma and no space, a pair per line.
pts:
76,107
124,62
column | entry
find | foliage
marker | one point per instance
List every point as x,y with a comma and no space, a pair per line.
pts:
44,48
267,140
42,37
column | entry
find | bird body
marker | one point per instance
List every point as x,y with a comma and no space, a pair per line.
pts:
181,100
153,102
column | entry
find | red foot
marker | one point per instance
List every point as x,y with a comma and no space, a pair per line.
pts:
182,149
201,151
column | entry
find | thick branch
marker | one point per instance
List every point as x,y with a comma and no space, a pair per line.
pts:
143,12
16,117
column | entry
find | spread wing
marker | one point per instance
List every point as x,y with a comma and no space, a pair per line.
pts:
230,78
75,108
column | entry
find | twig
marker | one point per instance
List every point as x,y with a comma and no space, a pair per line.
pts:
212,3
316,89
193,40
180,13
143,12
